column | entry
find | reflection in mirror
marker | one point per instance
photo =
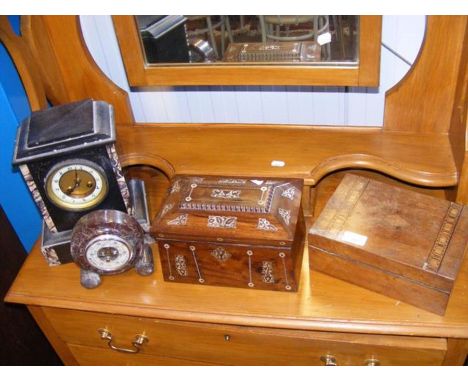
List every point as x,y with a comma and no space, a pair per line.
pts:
310,40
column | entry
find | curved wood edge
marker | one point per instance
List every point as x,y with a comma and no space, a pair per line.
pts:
24,62
152,160
44,59
136,148
82,78
394,169
423,100
462,194
326,325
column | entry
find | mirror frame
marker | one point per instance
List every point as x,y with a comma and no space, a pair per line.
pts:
140,74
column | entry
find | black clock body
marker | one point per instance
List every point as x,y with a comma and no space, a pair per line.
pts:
63,139
64,219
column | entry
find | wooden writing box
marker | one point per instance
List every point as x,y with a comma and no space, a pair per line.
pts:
390,240
232,232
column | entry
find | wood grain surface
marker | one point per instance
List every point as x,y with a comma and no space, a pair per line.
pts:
307,152
319,304
376,235
419,102
323,304
234,345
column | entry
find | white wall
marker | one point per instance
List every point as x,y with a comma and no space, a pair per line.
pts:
401,40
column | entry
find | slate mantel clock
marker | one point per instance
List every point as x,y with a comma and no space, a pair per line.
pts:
67,156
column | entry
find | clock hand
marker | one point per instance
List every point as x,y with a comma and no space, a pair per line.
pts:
77,183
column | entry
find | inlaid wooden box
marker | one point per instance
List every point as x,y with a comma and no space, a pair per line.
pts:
239,232
397,242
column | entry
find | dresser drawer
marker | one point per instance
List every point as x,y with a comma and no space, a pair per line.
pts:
89,356
235,345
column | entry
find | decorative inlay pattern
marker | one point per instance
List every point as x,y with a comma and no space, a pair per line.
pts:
249,256
285,214
179,220
201,280
38,199
282,255
225,194
232,181
222,221
265,225
193,186
264,196
175,187
223,207
262,205
353,194
166,247
50,255
181,265
112,152
267,272
166,209
220,254
434,260
289,193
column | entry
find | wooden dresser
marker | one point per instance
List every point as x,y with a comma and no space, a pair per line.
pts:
327,321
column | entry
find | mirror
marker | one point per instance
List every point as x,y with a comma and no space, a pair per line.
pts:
295,40
250,50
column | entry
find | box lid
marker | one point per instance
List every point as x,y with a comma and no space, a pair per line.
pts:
251,210
393,229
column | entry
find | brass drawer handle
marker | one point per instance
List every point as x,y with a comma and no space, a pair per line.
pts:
137,343
328,359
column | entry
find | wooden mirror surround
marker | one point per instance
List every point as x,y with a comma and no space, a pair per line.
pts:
141,74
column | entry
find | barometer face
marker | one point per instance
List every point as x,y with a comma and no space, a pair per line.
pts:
106,242
108,253
76,185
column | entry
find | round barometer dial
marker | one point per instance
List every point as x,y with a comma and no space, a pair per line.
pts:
106,242
108,253
77,185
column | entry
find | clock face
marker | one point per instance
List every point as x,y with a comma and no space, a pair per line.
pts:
76,185
108,253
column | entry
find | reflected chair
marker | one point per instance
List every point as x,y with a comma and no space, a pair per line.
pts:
278,28
210,29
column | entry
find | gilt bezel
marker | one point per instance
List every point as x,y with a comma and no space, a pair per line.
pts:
68,203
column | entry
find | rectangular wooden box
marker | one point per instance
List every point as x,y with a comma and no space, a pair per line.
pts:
397,242
239,232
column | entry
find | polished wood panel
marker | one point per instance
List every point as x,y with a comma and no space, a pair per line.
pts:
140,74
457,350
89,356
318,304
462,194
24,62
80,75
52,335
232,345
422,102
44,59
308,152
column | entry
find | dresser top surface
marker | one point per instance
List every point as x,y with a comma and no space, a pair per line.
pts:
322,302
